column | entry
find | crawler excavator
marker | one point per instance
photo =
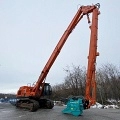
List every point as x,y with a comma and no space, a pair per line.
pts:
37,96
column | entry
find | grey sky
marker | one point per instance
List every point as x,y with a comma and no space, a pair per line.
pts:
30,29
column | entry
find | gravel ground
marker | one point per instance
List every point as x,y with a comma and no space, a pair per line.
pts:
9,112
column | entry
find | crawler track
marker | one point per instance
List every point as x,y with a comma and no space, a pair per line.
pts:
31,105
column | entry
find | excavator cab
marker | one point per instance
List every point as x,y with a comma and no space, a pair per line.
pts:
47,90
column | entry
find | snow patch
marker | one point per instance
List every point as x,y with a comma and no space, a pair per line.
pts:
100,106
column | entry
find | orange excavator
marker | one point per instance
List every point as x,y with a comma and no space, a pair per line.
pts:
37,96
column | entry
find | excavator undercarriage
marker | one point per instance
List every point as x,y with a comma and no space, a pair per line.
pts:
33,105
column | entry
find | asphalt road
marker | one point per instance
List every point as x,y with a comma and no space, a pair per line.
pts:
9,112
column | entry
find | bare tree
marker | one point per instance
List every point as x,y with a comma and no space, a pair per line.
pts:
75,80
108,79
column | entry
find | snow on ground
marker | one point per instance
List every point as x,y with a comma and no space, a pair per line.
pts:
97,105
100,106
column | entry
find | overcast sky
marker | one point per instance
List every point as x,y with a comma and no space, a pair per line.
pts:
30,29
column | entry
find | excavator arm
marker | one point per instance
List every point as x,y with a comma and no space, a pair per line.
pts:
90,93
83,10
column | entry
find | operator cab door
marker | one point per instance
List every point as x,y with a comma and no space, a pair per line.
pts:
47,91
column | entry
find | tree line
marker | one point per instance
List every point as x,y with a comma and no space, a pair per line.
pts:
107,79
7,96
